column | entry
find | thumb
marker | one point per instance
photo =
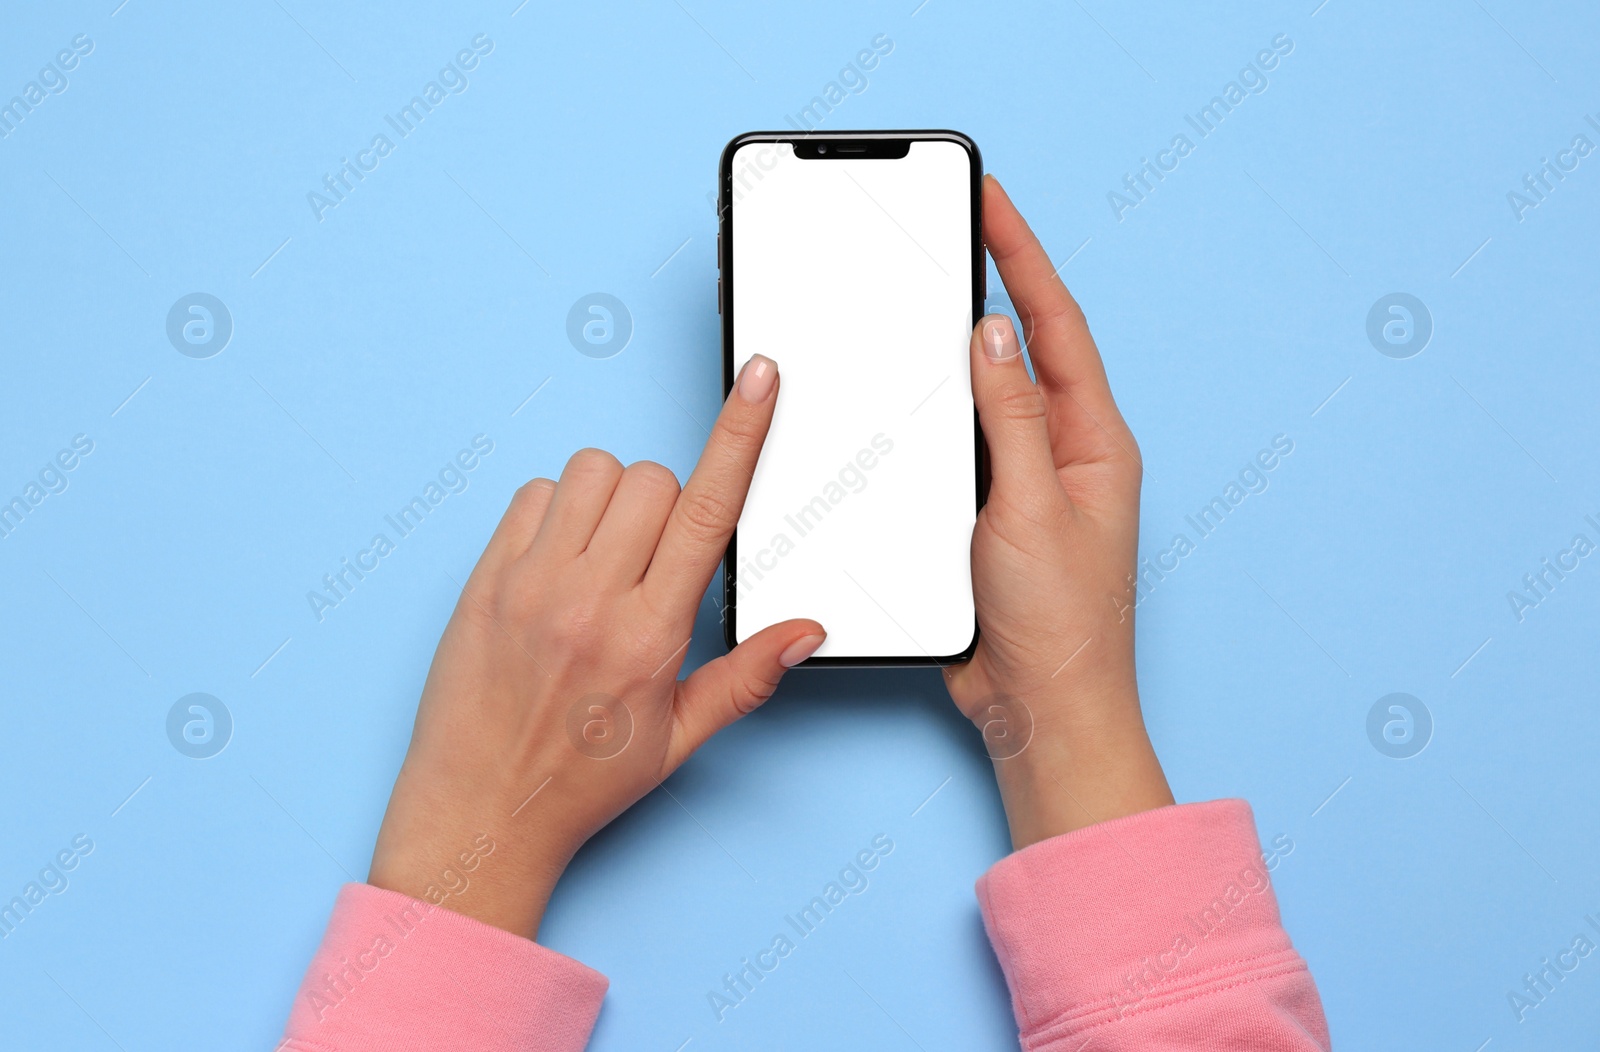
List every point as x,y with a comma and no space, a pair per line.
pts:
1012,411
721,691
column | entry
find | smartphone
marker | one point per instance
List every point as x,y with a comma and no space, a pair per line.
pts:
855,261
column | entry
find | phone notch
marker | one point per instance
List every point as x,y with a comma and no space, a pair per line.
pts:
850,149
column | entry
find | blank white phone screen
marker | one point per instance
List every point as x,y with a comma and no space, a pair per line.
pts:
855,276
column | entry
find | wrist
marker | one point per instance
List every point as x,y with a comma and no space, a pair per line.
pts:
1083,765
513,902
467,864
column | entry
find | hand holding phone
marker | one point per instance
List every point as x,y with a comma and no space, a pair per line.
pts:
1052,684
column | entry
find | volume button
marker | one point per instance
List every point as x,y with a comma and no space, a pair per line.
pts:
719,295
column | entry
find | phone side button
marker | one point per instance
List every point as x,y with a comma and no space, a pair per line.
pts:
719,295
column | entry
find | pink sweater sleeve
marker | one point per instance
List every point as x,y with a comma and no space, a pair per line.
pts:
1155,932
394,973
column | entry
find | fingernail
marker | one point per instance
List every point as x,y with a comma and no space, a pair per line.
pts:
799,650
1000,340
757,377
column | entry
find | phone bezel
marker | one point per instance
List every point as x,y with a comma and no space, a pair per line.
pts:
725,305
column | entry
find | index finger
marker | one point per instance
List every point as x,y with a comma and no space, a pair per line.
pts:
702,520
1064,355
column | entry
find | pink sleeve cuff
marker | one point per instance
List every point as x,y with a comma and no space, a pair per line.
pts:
395,973
1159,930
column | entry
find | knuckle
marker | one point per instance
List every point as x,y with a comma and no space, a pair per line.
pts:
1019,400
749,690
1074,312
576,628
704,512
593,461
1137,455
532,494
655,477
1122,455
1063,309
739,429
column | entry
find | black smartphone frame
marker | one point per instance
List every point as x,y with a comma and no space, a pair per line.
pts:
888,145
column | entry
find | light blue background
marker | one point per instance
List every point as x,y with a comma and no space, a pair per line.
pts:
1229,305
